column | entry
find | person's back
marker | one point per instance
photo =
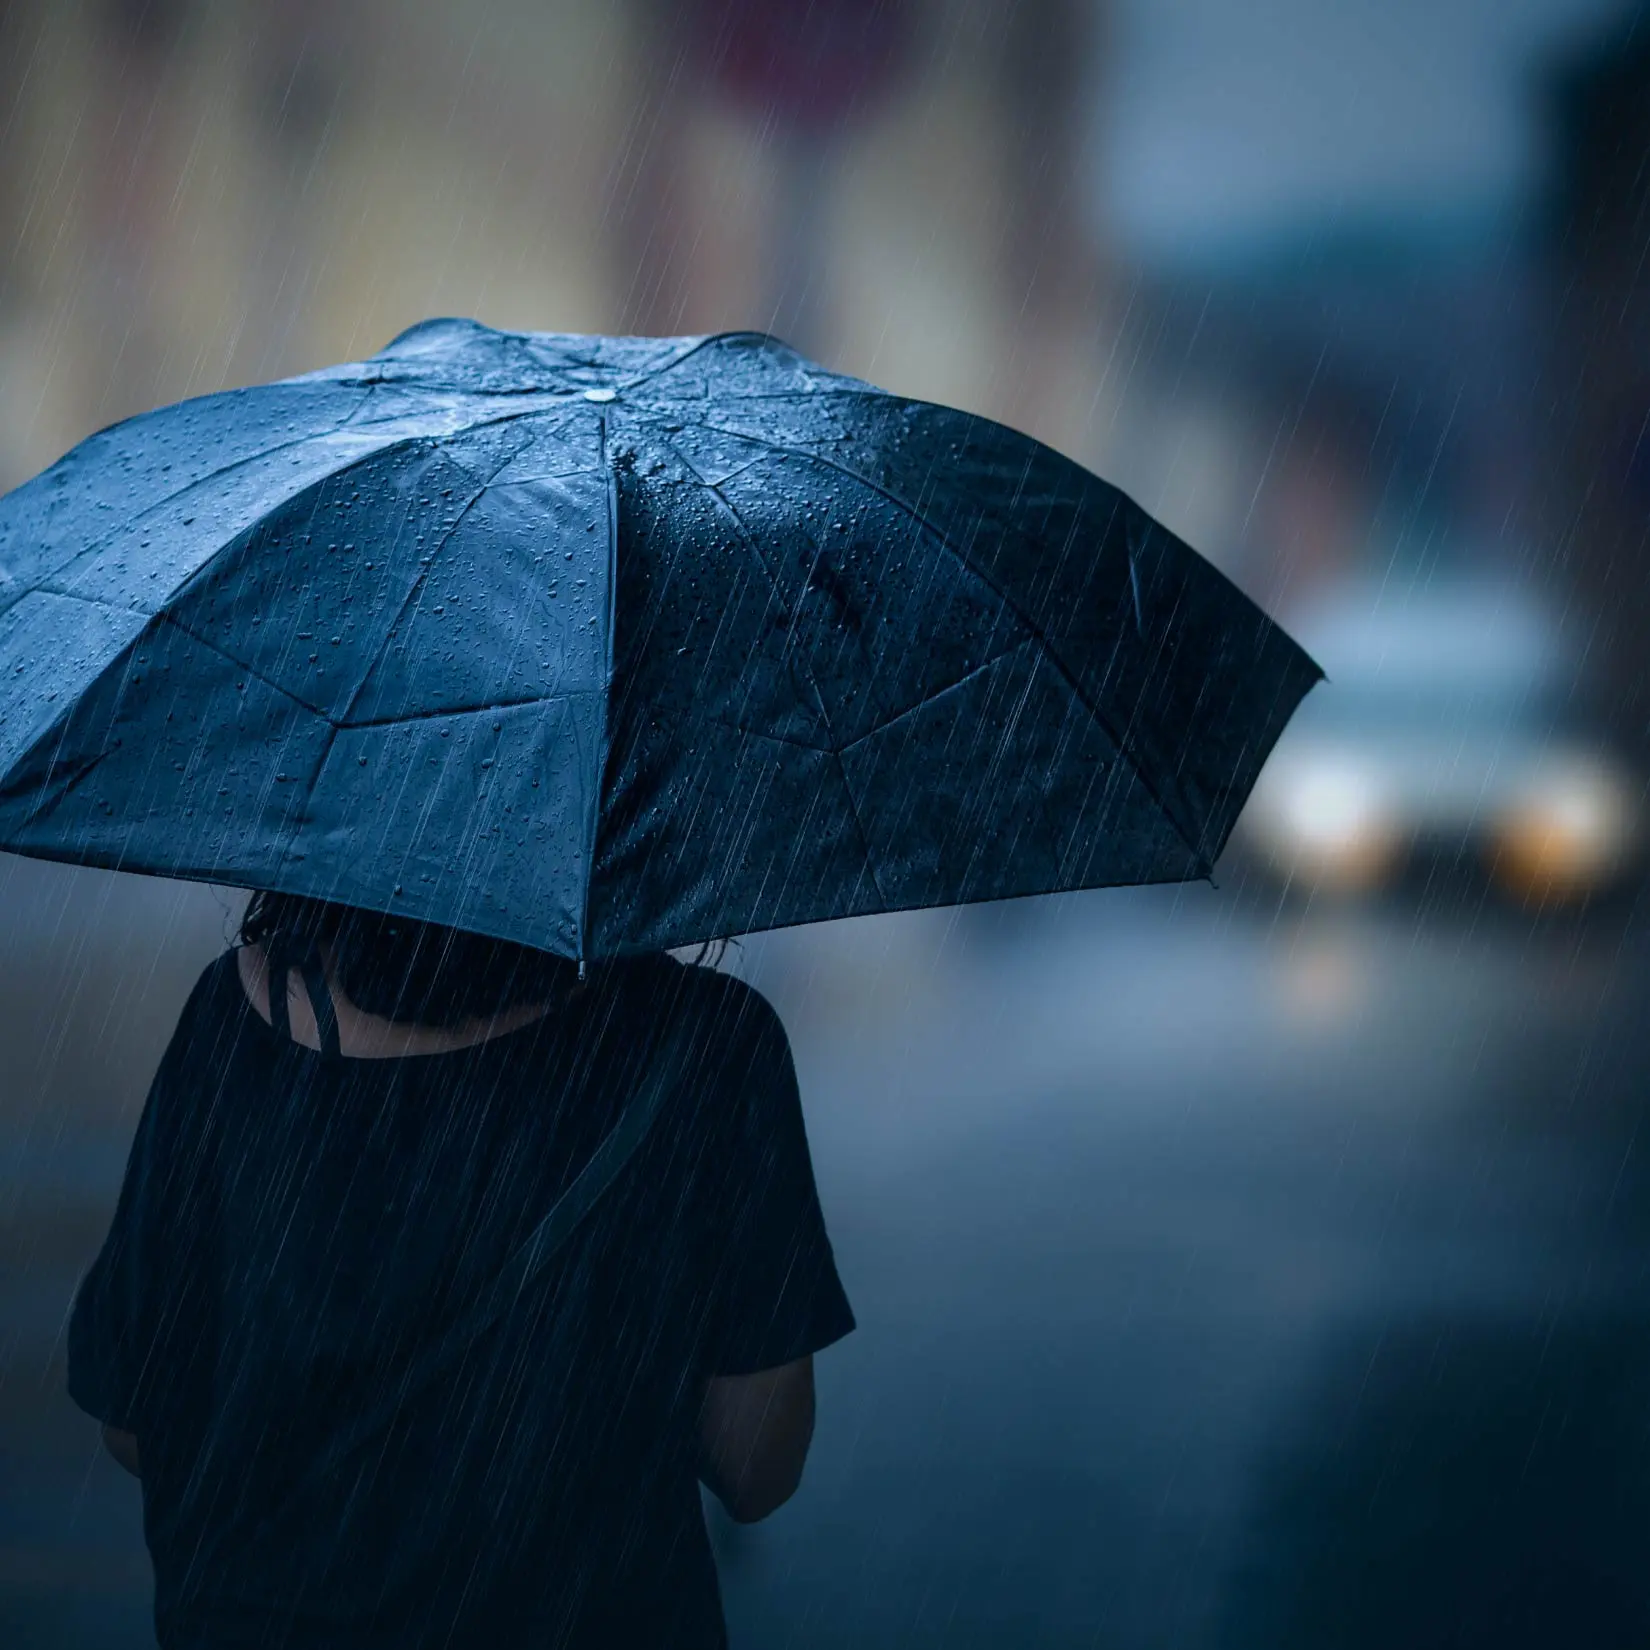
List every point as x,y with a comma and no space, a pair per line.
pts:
298,1224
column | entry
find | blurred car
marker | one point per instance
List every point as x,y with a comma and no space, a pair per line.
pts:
1448,727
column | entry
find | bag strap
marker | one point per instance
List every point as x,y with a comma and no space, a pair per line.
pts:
284,952
523,1267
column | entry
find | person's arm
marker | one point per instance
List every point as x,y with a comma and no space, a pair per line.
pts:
138,1304
123,1446
774,1297
754,1432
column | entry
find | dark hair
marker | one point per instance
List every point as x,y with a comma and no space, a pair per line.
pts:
401,969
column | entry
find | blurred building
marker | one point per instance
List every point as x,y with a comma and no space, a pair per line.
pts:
196,196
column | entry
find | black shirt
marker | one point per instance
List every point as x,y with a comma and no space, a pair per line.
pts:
291,1229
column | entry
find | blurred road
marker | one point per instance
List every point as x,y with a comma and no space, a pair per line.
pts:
1222,1279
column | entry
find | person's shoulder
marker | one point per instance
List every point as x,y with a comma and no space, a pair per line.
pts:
207,992
216,1002
217,988
721,1005
725,994
180,1087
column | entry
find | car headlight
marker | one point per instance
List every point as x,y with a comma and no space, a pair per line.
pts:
1326,822
1569,832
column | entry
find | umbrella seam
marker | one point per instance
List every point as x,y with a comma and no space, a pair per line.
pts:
604,742
46,588
1036,630
748,539
635,380
366,401
183,492
882,726
758,733
859,826
749,542
342,722
436,446
66,787
295,824
180,591
699,345
469,710
434,442
863,392
939,693
167,617
695,344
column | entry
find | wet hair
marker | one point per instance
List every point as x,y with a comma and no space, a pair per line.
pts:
400,969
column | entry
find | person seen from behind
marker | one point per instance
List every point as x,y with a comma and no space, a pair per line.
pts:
360,1127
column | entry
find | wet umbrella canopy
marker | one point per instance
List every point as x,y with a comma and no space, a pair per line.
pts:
608,645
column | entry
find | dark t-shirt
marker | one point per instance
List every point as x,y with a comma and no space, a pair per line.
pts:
292,1229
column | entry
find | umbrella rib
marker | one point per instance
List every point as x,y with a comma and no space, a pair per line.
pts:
749,541
240,664
1037,631
940,693
859,827
604,738
840,388
865,392
45,588
257,675
423,572
471,710
172,619
888,721
350,422
767,737
201,481
65,786
696,347
309,790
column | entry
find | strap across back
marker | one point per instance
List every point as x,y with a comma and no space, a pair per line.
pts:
285,952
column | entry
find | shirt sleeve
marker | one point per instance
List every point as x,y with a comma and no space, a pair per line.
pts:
107,1324
129,1306
778,1296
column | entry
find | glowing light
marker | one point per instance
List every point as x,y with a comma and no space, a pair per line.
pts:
1567,835
1326,822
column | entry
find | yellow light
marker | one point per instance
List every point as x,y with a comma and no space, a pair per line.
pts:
1567,839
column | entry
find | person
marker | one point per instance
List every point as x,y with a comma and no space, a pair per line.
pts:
357,1122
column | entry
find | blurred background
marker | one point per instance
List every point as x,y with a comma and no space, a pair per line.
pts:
1257,1264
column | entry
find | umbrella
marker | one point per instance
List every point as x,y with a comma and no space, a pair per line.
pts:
608,645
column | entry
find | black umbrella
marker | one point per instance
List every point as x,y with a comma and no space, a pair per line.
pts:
614,644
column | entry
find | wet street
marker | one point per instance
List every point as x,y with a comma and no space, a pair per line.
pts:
1228,1283
1223,1278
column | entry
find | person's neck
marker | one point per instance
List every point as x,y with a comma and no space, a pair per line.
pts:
364,1036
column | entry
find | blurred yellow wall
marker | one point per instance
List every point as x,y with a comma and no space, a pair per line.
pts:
199,196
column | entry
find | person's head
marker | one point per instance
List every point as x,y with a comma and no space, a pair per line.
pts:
406,970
